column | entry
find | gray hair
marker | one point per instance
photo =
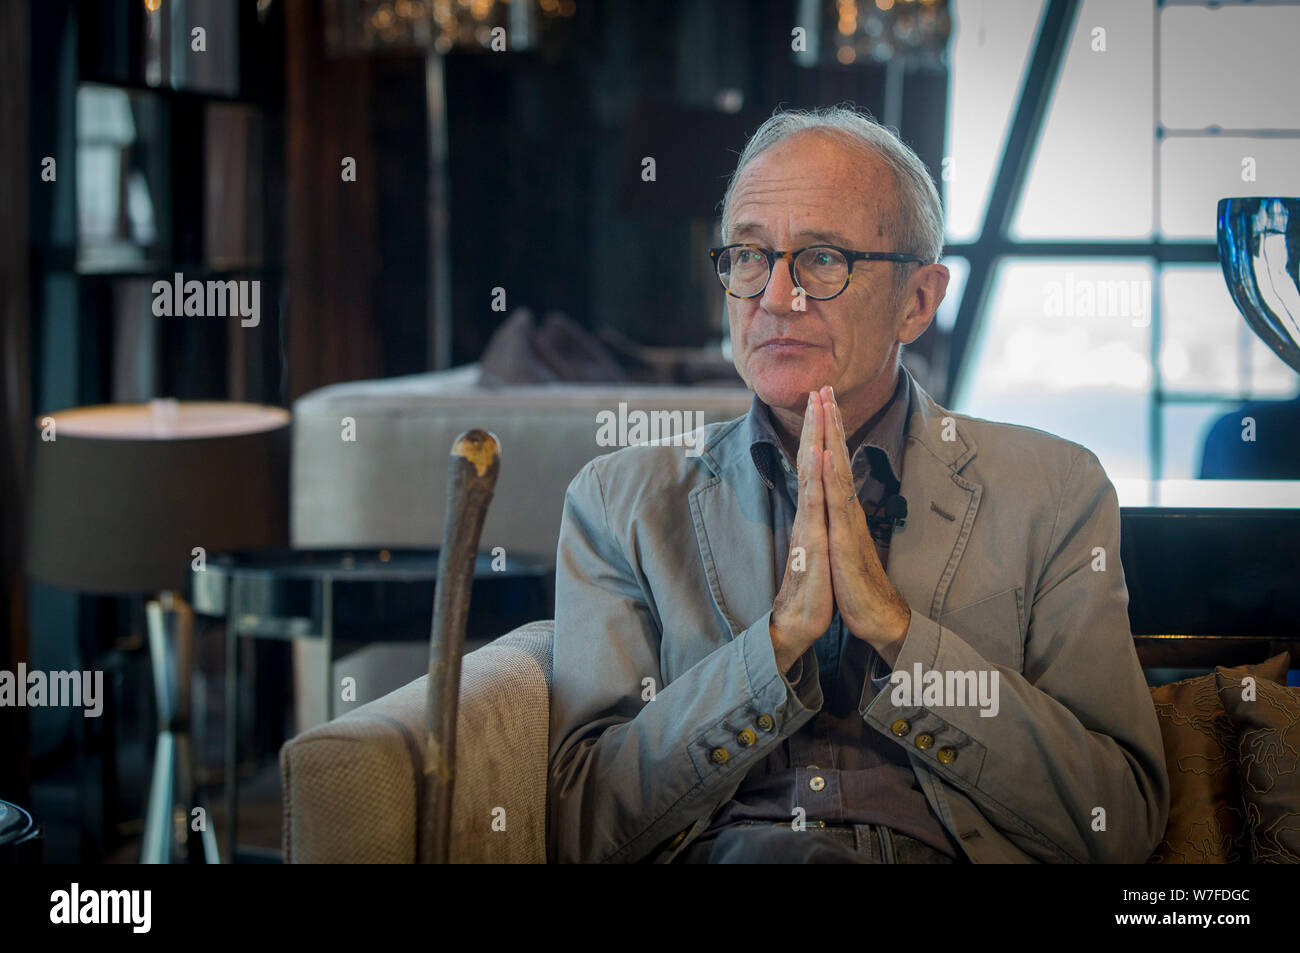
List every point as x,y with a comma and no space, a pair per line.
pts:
919,230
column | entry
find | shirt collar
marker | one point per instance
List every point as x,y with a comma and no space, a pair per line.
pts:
886,432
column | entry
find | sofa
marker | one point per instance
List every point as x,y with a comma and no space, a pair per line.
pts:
1233,756
387,486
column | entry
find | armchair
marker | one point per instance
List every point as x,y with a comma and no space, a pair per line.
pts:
351,787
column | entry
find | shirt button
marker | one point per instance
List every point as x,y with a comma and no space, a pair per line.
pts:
746,738
766,723
924,740
946,756
719,755
817,783
900,727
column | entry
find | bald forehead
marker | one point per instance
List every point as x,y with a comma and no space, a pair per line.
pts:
813,182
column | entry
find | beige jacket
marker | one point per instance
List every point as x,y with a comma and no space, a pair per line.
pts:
664,589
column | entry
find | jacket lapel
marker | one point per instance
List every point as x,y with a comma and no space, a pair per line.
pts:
941,505
733,527
733,517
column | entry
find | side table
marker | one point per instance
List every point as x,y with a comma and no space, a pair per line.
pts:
353,597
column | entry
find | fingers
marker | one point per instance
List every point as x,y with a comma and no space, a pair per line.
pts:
814,492
810,443
810,513
848,536
832,407
813,434
839,481
814,437
839,496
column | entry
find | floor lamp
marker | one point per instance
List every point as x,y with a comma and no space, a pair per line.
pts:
130,498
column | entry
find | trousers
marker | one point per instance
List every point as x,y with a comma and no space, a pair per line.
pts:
776,842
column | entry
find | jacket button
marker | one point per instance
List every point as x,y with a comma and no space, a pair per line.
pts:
924,740
900,727
746,738
946,756
817,783
766,723
719,755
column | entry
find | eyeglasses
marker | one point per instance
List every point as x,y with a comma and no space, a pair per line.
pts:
822,271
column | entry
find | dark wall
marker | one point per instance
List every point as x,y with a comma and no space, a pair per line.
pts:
356,251
547,196
15,405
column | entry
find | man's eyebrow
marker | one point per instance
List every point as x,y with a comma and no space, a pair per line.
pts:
803,238
834,238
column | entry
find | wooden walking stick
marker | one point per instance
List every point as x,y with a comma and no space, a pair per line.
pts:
475,463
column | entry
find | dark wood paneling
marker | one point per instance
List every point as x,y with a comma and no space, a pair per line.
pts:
15,406
332,324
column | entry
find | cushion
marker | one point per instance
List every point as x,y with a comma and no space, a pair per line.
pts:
1268,760
560,350
1206,817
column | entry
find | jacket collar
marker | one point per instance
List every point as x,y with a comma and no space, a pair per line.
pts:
885,435
733,520
728,449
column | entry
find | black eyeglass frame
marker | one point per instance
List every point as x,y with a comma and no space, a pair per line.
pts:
849,254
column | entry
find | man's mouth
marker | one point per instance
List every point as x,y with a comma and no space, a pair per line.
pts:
785,344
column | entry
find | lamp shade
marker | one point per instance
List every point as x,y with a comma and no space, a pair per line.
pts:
122,494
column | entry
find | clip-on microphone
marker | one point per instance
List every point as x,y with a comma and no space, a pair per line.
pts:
893,508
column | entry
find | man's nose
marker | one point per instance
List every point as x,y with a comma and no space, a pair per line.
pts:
779,295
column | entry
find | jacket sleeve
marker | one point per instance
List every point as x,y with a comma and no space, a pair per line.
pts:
627,774
1071,767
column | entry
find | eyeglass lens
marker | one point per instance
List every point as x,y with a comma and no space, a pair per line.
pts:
820,272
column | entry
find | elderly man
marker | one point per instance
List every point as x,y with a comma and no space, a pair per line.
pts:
758,657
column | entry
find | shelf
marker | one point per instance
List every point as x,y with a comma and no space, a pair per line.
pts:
182,96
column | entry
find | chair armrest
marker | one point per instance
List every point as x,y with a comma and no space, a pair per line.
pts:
353,788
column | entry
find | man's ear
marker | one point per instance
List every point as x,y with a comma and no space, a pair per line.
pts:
921,299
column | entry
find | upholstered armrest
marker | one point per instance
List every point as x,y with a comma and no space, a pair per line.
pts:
352,787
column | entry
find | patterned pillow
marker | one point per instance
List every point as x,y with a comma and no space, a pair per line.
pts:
1268,761
1207,820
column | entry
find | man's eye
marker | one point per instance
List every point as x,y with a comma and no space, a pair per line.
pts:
747,256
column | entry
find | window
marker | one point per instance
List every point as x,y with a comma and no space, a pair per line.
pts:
1106,318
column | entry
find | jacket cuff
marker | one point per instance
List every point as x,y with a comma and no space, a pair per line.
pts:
878,678
878,673
924,732
772,710
800,688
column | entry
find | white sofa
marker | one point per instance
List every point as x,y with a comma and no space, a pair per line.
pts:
387,487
